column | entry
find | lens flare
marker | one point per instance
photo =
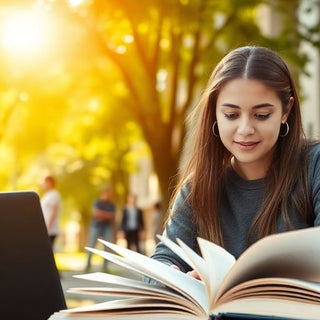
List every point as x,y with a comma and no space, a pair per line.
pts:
23,32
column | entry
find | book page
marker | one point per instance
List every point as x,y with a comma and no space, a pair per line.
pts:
118,285
275,288
195,261
293,254
112,279
130,315
267,308
124,293
212,267
189,287
163,315
125,305
219,262
176,248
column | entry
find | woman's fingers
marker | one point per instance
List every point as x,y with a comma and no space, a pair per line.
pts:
194,274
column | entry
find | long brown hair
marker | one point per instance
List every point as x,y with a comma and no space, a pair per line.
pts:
208,159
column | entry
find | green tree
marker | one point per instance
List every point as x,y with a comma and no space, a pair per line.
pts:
165,50
115,63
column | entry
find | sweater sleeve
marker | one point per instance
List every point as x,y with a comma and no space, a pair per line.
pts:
314,182
181,225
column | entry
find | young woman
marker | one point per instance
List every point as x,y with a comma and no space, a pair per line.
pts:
251,171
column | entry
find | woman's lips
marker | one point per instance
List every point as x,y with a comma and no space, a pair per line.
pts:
246,146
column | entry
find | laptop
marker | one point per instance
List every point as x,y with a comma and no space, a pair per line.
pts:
30,286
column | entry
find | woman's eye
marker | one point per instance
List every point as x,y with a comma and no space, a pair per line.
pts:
231,116
262,116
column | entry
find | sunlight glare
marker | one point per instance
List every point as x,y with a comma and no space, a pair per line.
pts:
75,3
23,32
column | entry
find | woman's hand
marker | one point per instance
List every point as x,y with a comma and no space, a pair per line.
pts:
194,274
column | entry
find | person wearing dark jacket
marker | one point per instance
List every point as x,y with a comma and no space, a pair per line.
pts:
132,223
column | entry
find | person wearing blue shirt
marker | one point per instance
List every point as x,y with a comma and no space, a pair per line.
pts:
103,214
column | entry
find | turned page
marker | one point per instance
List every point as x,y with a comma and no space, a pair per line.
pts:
219,262
212,266
293,254
117,285
194,260
189,287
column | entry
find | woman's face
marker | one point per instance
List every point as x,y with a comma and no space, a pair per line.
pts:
249,115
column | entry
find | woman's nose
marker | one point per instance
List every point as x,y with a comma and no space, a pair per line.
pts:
246,127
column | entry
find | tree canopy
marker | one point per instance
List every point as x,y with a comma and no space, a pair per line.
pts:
112,74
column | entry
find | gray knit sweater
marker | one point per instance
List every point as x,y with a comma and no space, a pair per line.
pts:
240,204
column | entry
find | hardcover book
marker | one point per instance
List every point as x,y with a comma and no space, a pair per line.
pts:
278,277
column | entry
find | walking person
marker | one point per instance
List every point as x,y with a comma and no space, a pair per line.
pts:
51,206
132,223
103,214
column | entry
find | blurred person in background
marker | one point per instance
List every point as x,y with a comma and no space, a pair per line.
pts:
51,205
132,223
103,214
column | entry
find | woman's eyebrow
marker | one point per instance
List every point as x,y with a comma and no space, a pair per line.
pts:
260,105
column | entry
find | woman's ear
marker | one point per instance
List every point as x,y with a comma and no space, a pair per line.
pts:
288,110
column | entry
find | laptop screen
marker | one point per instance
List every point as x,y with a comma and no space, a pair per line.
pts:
30,282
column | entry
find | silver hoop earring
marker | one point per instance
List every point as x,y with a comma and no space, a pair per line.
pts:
287,129
214,129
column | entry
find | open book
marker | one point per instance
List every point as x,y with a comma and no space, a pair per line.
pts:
277,277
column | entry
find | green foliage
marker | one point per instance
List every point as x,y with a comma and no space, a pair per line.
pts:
115,83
